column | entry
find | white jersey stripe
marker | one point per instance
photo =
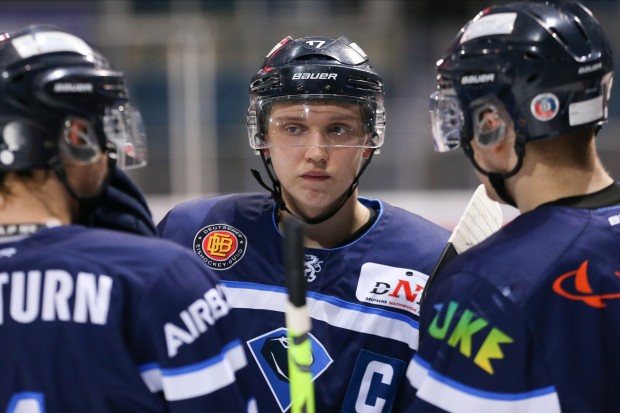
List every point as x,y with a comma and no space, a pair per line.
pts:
458,398
334,311
198,379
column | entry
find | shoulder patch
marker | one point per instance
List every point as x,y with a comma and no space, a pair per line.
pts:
220,246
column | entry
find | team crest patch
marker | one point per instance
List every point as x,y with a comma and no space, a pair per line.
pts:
220,246
271,354
545,106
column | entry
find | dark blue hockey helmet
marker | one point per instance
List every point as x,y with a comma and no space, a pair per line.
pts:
59,97
316,69
547,65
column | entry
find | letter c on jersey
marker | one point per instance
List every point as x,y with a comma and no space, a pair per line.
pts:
373,384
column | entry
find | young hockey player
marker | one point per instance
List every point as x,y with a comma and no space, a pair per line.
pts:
93,320
528,320
316,117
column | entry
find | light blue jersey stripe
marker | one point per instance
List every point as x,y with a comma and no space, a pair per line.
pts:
456,397
331,310
197,379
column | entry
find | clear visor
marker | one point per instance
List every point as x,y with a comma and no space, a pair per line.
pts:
447,120
325,121
124,129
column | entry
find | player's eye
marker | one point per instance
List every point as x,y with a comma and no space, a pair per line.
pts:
293,129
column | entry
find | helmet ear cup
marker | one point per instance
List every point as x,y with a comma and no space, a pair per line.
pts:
490,121
491,129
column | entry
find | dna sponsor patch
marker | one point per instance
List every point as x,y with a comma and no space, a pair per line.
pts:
220,246
391,286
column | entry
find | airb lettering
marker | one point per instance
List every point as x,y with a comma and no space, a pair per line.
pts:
321,76
462,332
195,320
55,295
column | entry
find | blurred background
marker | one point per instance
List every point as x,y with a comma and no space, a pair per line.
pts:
188,64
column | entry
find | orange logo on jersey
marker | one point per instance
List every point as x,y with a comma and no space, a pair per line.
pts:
582,287
220,246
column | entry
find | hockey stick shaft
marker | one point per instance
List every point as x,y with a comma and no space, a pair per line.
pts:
297,319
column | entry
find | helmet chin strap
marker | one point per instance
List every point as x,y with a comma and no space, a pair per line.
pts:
498,180
276,190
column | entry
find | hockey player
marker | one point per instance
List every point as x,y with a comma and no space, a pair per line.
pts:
93,320
316,117
529,320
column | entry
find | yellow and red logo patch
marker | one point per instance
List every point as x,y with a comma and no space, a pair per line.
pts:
220,246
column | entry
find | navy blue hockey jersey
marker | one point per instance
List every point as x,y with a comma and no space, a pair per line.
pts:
527,321
97,321
363,298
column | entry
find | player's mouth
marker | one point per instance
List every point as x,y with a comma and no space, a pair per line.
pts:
315,176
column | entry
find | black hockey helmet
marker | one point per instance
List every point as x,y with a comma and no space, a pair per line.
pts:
312,70
59,96
548,65
316,68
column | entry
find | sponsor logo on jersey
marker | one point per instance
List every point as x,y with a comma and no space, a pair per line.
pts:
312,266
391,286
575,285
220,246
73,87
321,76
459,325
590,68
270,352
374,383
478,79
196,319
545,106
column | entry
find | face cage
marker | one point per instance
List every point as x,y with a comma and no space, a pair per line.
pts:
373,119
124,130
